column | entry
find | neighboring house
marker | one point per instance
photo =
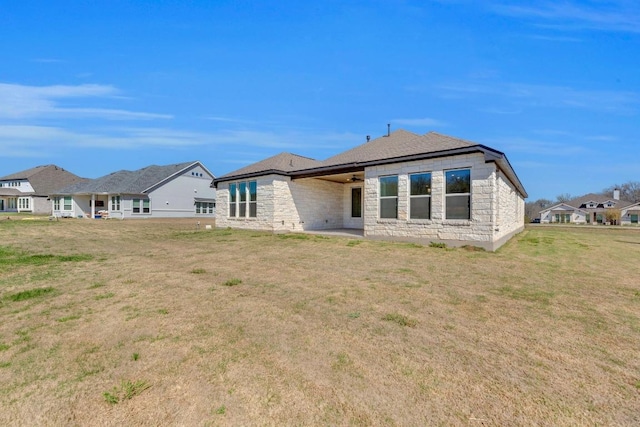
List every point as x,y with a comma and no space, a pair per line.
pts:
401,186
593,209
28,191
179,190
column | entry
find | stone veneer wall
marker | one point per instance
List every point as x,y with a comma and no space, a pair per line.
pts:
478,231
510,210
286,205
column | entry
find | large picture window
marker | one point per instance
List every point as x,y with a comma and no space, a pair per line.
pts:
458,194
243,199
389,196
420,196
67,203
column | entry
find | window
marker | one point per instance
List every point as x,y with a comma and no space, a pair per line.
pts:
458,194
420,196
356,202
115,203
241,194
23,203
67,203
389,197
141,203
12,202
242,190
253,199
204,207
232,200
56,203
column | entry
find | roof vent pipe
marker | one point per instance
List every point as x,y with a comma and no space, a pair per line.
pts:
388,129
368,138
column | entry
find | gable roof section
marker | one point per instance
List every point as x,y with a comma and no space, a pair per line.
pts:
399,146
281,164
563,207
129,182
45,179
598,199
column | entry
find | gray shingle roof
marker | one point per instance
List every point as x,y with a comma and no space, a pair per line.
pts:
398,144
598,199
397,147
127,182
283,162
45,179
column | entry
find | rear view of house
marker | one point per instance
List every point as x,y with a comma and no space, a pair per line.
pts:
177,191
401,186
28,191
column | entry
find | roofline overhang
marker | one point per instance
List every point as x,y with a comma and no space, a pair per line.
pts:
490,155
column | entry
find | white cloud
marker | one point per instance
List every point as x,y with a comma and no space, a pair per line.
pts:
20,102
616,16
548,96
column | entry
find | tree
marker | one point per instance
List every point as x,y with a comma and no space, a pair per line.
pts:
612,216
629,191
532,209
561,198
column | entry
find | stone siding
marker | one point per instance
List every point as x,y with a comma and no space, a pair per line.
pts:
479,230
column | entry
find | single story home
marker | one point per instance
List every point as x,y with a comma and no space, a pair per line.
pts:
593,209
401,186
177,191
28,190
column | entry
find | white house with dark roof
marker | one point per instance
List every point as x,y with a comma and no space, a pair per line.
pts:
593,209
173,191
401,186
28,190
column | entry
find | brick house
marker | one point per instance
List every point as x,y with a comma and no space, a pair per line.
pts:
401,186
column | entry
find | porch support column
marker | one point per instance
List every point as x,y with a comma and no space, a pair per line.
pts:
93,206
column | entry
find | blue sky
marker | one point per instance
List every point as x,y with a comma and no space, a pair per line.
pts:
97,87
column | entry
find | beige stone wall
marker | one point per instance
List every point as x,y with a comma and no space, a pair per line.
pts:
286,205
510,208
477,230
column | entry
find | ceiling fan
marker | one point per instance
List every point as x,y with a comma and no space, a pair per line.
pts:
355,178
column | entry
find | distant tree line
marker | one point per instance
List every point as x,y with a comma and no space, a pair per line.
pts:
629,191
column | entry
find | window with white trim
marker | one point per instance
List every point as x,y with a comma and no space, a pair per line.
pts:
23,203
115,203
458,194
243,199
56,203
67,203
389,196
420,196
205,207
141,206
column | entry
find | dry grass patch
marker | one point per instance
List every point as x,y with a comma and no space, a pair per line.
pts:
241,328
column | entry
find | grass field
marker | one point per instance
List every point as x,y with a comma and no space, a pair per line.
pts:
157,323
